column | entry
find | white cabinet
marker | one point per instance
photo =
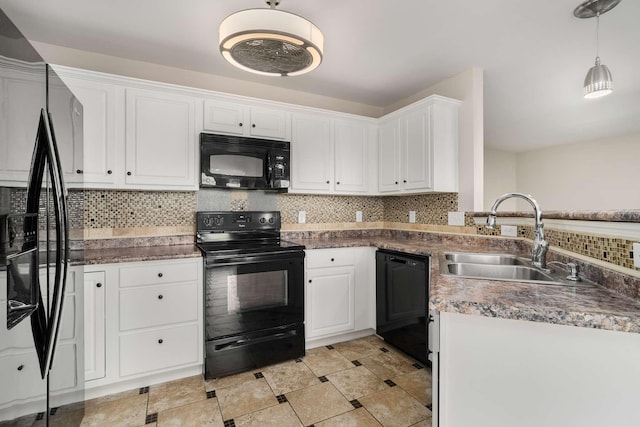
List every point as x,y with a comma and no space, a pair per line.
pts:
22,95
94,325
19,364
502,372
160,136
102,131
418,148
137,135
246,120
153,326
339,292
311,166
329,155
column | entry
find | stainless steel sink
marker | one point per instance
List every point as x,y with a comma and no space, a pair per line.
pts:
498,272
493,259
504,267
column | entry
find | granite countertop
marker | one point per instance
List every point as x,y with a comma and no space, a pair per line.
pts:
133,254
590,307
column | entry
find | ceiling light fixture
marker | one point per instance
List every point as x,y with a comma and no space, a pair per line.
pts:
271,42
598,81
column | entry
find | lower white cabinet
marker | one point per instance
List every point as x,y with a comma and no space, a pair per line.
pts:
501,372
153,323
20,379
339,292
94,324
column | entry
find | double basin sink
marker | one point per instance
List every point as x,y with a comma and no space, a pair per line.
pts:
504,267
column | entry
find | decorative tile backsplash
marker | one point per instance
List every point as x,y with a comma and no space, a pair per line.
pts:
108,214
609,249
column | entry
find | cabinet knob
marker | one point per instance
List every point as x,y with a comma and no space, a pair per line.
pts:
79,171
160,274
129,173
404,180
327,182
310,280
332,259
338,183
109,171
396,182
98,285
20,368
160,341
240,124
160,296
253,125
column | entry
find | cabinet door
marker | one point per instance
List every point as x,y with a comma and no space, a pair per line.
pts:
22,95
224,117
100,127
268,123
417,151
66,119
330,306
311,167
160,139
388,158
351,157
94,325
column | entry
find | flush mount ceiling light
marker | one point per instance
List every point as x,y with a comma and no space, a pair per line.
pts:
598,81
271,42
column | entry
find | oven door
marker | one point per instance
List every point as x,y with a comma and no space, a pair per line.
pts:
248,293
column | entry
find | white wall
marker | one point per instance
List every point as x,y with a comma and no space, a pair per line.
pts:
594,175
60,55
467,87
499,178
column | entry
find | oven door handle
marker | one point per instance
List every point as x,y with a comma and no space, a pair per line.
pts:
249,341
213,261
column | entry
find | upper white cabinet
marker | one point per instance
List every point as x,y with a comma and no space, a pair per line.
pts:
160,139
251,121
418,148
311,168
102,129
22,94
331,155
136,135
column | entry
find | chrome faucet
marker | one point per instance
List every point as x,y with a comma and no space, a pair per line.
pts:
540,246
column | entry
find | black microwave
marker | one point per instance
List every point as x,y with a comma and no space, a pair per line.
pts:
246,163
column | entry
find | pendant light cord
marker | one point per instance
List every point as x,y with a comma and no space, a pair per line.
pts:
598,37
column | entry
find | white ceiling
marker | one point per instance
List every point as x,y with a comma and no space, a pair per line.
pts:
534,54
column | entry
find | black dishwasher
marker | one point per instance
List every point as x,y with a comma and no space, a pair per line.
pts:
402,292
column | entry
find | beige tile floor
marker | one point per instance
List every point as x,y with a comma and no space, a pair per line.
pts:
365,382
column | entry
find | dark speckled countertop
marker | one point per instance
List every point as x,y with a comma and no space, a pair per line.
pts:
133,254
590,307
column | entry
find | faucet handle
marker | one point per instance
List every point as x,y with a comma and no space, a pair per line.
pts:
573,270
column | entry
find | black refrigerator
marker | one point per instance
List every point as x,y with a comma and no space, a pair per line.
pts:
41,368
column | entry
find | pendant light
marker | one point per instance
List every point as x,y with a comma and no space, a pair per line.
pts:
598,81
271,42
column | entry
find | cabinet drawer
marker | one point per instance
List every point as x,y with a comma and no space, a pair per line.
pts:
158,349
158,305
319,258
155,273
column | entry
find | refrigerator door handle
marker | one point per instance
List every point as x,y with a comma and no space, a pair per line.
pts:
45,327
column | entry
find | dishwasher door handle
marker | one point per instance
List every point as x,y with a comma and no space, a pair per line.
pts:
398,260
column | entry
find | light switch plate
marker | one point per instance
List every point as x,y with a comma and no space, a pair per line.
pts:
358,216
412,217
302,217
509,230
456,218
636,255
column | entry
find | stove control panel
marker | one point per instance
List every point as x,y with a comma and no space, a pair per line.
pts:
237,221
